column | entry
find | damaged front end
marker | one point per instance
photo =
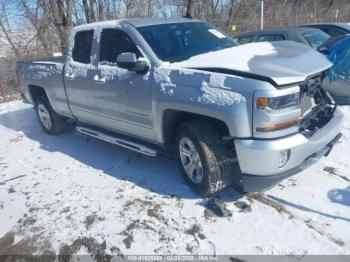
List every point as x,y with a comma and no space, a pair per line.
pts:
317,105
311,127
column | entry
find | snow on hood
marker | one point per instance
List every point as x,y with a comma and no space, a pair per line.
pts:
284,62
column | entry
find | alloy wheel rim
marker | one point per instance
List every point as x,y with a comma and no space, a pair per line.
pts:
191,160
44,116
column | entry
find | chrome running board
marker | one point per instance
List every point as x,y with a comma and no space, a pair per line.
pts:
145,150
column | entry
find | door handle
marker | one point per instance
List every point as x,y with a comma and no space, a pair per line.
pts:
70,76
99,80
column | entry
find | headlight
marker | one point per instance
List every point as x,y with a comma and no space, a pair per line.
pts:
278,103
277,113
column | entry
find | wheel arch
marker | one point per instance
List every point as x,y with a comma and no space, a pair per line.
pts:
36,91
173,118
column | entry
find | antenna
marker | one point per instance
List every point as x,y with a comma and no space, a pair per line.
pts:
262,16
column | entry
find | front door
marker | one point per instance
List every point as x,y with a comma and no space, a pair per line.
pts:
123,97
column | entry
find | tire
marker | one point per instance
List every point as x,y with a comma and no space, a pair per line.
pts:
216,157
44,111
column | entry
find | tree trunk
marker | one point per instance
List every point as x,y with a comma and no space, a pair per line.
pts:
101,11
62,12
230,14
190,8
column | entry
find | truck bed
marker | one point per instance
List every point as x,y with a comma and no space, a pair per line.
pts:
34,71
48,74
48,60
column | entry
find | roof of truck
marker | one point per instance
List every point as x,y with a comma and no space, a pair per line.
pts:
138,22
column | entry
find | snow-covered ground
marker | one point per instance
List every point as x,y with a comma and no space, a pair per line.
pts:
71,195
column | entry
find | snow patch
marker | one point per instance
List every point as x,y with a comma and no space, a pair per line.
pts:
39,70
183,72
146,76
78,69
215,92
162,77
111,72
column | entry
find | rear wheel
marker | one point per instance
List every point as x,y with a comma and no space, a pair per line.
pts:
206,161
51,122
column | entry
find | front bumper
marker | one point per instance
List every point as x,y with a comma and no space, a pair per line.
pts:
259,160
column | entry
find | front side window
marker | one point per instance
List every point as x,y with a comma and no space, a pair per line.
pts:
82,46
113,43
176,42
315,38
270,38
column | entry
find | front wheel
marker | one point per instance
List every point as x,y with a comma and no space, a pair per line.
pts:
205,159
51,122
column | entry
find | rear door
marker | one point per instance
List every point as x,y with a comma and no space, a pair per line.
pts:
78,76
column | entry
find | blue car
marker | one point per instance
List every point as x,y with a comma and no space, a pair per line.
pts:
337,80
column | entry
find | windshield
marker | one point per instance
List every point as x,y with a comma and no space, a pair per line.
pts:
316,38
180,41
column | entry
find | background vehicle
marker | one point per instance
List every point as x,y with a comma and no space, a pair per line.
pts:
312,37
337,80
183,85
338,87
332,29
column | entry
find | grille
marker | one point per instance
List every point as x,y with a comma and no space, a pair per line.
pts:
308,90
317,106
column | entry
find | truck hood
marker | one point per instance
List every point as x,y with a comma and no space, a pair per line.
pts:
283,62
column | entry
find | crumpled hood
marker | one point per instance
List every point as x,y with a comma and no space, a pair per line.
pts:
284,62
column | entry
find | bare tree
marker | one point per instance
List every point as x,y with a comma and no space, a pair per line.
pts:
5,27
89,10
62,13
39,18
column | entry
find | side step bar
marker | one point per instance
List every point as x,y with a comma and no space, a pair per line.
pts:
145,150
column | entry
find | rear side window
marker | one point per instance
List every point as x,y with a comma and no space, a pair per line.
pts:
333,32
113,43
244,39
315,38
270,38
82,46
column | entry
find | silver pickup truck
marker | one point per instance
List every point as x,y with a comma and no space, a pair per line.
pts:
252,115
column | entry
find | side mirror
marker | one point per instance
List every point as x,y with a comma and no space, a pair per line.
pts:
323,49
129,61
